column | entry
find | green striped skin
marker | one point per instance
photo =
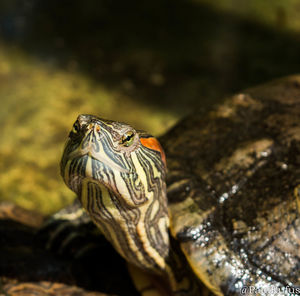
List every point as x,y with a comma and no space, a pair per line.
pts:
121,184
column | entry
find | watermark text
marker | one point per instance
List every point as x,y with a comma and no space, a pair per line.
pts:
270,290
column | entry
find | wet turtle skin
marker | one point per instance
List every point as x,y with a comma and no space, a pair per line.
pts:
234,191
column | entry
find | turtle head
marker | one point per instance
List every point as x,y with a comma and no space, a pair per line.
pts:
118,174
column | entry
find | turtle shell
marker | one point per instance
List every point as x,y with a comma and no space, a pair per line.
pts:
233,190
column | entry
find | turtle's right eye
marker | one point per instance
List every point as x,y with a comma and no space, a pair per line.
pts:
75,130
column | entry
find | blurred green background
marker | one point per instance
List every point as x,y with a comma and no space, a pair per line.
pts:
147,63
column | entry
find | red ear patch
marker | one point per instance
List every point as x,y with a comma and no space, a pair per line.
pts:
152,143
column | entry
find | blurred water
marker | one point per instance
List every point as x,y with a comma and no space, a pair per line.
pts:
148,63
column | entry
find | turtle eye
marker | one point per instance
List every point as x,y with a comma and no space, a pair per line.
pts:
127,139
75,128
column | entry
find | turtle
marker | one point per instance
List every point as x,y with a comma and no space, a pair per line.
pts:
218,205
212,207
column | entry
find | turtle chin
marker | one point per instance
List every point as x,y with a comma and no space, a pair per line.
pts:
124,183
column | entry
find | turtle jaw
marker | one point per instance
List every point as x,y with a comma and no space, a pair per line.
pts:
81,165
136,224
96,160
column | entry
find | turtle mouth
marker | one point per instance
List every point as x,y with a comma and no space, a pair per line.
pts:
107,162
85,158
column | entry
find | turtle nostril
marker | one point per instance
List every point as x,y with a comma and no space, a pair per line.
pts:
97,128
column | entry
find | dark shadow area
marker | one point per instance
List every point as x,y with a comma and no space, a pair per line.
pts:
23,258
177,55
